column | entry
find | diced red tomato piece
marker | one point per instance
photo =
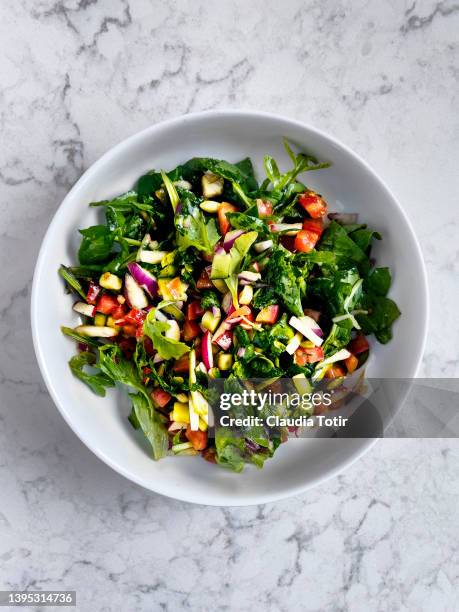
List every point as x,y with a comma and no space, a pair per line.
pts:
358,345
268,314
190,330
135,317
223,222
130,331
314,225
194,310
335,371
351,363
93,293
160,397
197,438
308,355
305,241
204,281
119,312
182,365
313,204
243,311
107,304
265,208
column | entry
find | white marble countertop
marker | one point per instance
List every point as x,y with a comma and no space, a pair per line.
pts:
78,76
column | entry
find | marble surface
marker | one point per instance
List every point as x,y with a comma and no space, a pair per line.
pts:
78,76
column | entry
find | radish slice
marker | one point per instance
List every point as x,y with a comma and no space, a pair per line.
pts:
207,355
144,279
309,328
250,277
134,293
231,237
293,344
263,246
85,309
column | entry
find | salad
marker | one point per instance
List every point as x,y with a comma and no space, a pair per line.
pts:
203,273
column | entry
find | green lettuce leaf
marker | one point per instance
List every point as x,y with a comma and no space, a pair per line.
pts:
167,348
97,382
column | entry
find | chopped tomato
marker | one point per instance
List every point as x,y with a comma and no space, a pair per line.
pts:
119,312
182,365
190,330
313,204
335,371
305,241
197,438
268,314
194,310
135,317
358,345
93,293
107,304
204,281
314,225
308,355
160,397
265,208
351,363
225,207
130,330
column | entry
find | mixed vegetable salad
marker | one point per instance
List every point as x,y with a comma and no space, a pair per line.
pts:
202,273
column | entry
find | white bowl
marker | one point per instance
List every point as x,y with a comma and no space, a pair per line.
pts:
101,422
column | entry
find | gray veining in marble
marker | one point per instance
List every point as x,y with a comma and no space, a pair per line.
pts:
77,76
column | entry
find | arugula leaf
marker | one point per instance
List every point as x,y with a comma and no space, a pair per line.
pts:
96,245
71,333
126,202
72,282
96,382
192,228
150,424
115,366
280,274
245,221
167,348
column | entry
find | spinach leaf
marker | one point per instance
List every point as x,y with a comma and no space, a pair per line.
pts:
382,312
338,338
96,245
281,275
363,237
167,347
127,202
97,382
240,173
346,251
334,290
72,282
378,281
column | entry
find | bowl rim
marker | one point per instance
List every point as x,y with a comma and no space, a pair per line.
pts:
87,175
